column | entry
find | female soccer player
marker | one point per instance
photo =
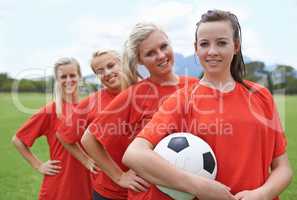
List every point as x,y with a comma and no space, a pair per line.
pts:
65,178
237,118
106,65
113,129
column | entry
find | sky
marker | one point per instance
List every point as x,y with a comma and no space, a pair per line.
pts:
34,33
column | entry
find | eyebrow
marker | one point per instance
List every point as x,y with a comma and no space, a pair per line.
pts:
220,38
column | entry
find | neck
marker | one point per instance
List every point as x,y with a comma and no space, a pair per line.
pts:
168,79
70,98
221,83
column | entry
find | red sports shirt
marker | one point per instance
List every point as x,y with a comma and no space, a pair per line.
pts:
73,127
124,117
73,181
242,127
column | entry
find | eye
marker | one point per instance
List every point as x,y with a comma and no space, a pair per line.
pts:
72,75
110,65
150,53
64,76
203,44
222,43
99,71
164,46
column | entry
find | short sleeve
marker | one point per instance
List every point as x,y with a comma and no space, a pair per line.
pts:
75,123
37,125
168,119
112,123
280,138
270,119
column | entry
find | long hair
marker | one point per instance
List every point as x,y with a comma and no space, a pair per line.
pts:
130,58
238,69
58,95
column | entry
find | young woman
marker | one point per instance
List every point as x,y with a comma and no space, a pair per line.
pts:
108,136
106,65
62,172
248,142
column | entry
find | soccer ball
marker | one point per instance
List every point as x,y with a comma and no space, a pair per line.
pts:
190,153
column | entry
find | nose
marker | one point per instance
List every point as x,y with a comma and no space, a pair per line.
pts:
160,54
68,79
212,50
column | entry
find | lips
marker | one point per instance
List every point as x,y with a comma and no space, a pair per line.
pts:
213,62
163,64
112,78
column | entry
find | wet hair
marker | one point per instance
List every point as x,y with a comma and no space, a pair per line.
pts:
130,61
238,69
58,96
104,52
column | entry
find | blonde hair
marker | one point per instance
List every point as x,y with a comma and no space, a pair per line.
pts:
103,52
58,96
130,58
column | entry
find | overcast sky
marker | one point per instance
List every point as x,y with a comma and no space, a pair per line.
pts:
34,33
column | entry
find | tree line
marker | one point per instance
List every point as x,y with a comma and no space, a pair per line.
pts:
281,79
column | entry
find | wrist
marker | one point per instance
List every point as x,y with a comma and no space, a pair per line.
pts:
117,177
191,183
36,165
265,193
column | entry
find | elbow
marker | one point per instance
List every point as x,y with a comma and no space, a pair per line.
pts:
127,158
14,140
86,138
291,174
58,136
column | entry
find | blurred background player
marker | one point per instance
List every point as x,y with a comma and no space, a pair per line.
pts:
62,172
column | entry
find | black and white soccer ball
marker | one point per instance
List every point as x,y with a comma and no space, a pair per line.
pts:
190,153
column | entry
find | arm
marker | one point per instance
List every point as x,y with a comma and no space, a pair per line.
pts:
49,167
279,179
76,150
107,164
157,171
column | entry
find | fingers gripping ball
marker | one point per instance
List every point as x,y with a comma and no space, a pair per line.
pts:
190,153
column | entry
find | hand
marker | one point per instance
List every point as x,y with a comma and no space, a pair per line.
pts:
130,180
91,165
49,167
250,195
214,190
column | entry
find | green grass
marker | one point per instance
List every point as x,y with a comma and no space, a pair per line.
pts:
19,181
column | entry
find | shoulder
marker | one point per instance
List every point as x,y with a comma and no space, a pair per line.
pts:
260,95
258,89
49,108
188,80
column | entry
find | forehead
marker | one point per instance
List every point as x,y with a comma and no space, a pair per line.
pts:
218,29
153,40
103,60
69,68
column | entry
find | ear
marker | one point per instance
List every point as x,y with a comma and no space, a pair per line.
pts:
236,46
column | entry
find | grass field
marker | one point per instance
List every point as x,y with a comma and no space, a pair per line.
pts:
19,182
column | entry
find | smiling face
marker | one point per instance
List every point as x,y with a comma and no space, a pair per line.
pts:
68,77
215,48
156,54
107,67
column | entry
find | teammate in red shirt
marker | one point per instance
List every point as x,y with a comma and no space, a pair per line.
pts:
106,65
113,129
237,118
65,178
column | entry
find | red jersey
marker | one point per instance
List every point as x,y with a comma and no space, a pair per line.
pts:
74,126
241,126
124,117
73,181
